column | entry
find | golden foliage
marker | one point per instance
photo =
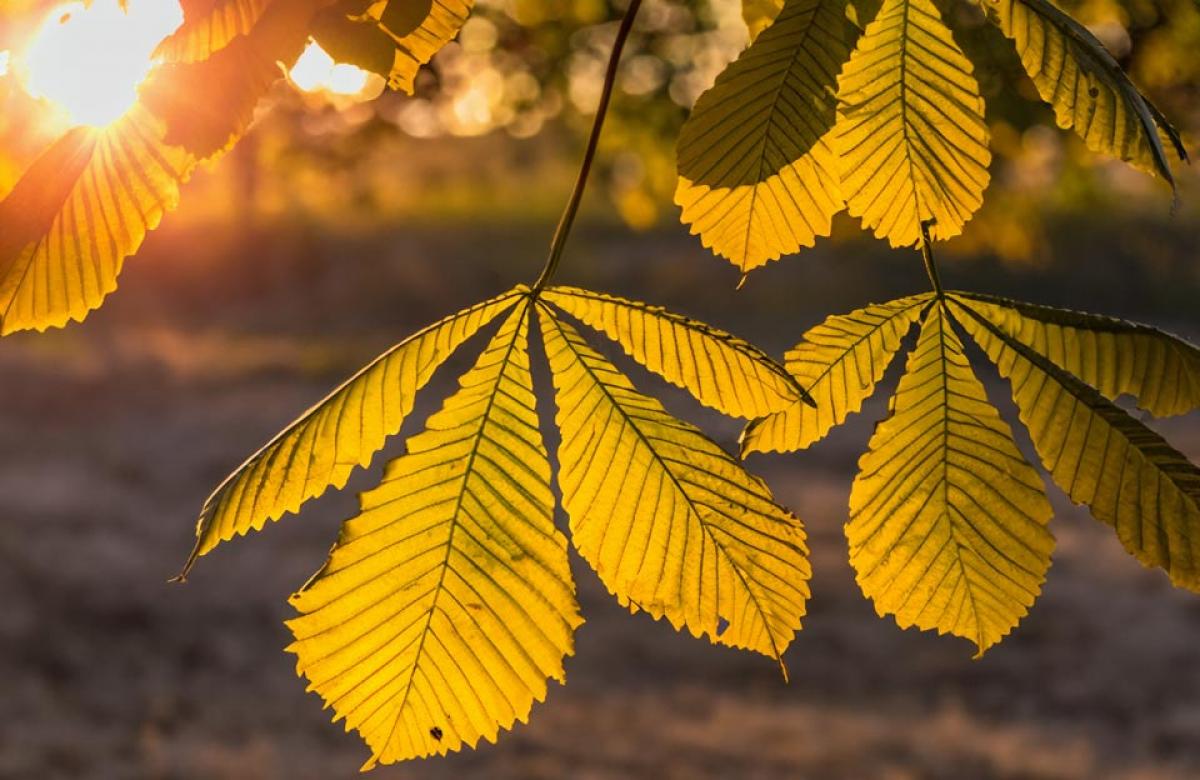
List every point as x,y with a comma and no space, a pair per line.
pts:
719,369
337,435
839,361
757,176
448,602
1160,371
911,138
947,519
83,207
90,200
1089,92
671,522
1125,473
947,525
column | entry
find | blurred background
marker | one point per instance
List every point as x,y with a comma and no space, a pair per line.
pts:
350,217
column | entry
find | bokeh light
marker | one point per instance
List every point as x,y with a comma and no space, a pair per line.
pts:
316,71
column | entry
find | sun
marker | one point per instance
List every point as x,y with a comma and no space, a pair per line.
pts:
89,61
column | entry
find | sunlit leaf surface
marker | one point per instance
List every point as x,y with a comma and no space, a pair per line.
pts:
947,519
83,207
1160,371
337,435
839,361
719,369
448,602
911,138
1089,92
757,178
671,522
947,525
1125,473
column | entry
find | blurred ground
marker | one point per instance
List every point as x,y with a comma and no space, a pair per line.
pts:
113,433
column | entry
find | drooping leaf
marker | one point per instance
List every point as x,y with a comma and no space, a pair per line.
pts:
1116,357
209,26
671,523
839,361
448,602
207,104
719,369
911,138
83,207
947,525
1126,474
757,177
339,434
1088,90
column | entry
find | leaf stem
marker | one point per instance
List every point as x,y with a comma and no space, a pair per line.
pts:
930,263
585,167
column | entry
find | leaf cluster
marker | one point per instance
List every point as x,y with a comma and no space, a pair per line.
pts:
838,105
448,602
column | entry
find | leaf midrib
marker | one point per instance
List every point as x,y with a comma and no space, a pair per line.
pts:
454,523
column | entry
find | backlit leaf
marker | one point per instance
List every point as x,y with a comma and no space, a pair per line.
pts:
670,521
448,602
339,434
209,26
719,369
1089,92
947,525
1116,357
1125,473
83,207
911,138
208,104
416,30
839,361
757,177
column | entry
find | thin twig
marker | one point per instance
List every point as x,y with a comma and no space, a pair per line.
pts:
585,168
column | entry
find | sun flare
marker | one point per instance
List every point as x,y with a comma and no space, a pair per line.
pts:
89,61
